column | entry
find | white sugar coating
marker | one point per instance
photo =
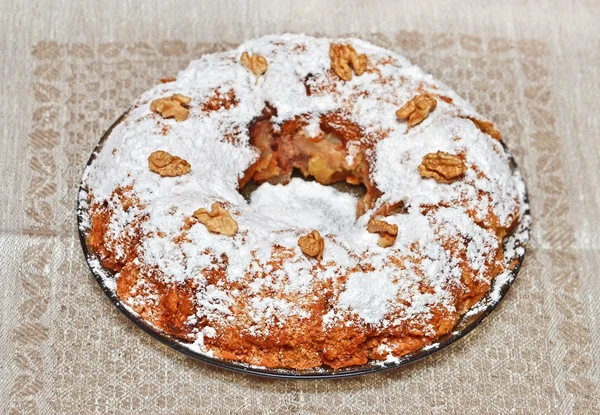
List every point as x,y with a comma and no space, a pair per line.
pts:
278,215
370,293
307,205
435,134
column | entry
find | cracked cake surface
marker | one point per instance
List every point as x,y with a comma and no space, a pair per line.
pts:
299,274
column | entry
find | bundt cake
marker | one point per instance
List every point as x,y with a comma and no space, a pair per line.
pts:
297,273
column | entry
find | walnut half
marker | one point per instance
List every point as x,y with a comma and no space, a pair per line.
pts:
312,244
174,106
166,164
417,109
218,220
345,59
443,167
257,64
387,232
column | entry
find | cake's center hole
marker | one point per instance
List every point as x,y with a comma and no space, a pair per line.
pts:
318,155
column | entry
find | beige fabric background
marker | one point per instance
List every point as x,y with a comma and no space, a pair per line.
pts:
68,69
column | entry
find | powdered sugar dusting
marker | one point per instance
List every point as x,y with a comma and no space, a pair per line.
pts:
308,205
370,295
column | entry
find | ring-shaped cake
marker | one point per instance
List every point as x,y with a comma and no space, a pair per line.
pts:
298,274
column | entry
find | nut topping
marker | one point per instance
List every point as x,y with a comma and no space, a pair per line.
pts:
166,164
174,106
256,64
387,232
386,240
443,167
487,127
218,220
312,244
344,59
417,109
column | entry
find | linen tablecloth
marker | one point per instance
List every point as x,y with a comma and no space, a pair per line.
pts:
69,69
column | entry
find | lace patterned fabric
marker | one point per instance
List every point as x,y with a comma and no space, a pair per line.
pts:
70,351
